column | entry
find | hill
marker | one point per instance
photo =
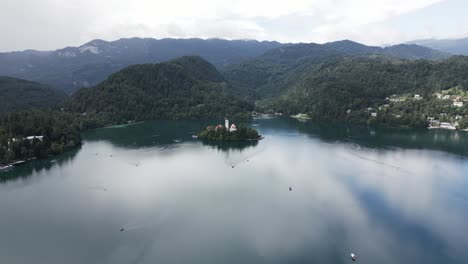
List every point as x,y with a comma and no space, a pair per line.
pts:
188,87
17,94
453,46
74,67
344,88
27,134
265,75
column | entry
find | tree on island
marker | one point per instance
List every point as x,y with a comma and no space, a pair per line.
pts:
221,133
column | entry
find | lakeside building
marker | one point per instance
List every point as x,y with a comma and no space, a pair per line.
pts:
458,104
446,125
31,138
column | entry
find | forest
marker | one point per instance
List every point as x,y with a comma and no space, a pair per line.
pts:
188,87
49,132
343,88
358,88
17,94
213,133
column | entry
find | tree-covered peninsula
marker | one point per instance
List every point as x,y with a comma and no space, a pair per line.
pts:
32,134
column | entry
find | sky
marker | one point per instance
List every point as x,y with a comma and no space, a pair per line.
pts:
53,24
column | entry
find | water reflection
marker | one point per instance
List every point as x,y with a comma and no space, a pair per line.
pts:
148,134
184,203
227,146
38,167
378,137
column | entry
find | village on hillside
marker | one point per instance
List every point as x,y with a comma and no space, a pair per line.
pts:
447,109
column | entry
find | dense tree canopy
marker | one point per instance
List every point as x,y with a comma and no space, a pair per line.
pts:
54,132
340,87
17,94
213,133
188,87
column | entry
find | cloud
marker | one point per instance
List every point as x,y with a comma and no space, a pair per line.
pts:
51,24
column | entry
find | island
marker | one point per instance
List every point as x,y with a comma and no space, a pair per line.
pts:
229,133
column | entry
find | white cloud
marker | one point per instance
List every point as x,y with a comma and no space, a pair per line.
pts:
57,23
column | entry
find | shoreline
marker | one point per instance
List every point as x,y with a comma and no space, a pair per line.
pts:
17,163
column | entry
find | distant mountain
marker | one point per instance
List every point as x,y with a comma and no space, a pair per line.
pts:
17,94
267,74
188,87
346,47
74,67
453,46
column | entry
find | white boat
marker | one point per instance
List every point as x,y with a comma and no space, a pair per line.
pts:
4,168
353,257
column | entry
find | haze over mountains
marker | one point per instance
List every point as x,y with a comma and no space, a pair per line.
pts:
74,67
453,46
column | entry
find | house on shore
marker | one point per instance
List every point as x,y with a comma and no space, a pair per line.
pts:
446,125
32,138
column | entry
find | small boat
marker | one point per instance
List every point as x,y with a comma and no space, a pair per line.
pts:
122,229
290,188
5,168
353,257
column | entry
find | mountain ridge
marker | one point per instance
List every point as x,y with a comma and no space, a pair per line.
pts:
71,68
456,46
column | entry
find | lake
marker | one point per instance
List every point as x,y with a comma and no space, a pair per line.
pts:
150,193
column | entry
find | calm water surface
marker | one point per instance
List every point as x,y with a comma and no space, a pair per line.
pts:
388,195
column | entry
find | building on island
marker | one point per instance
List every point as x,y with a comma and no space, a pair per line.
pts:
233,128
458,104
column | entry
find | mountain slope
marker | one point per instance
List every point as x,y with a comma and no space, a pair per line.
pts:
265,75
453,46
333,87
75,67
188,87
17,94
